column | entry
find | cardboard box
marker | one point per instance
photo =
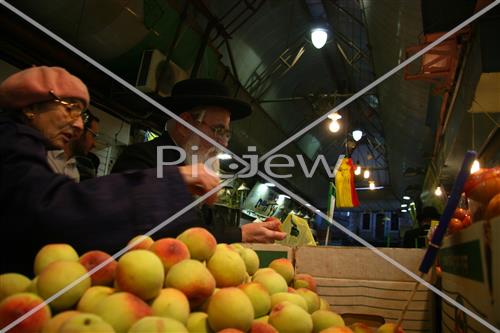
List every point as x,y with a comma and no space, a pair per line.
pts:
470,260
269,252
358,283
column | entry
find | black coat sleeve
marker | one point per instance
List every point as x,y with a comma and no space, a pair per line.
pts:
40,207
136,157
143,155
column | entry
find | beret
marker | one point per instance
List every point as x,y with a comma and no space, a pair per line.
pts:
32,86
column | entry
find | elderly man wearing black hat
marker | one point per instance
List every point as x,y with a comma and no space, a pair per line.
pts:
207,105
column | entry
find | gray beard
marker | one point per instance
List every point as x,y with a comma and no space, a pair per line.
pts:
199,156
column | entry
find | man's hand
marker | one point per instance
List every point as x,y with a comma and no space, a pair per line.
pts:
199,180
262,232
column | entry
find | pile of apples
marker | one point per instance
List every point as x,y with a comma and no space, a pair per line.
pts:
187,284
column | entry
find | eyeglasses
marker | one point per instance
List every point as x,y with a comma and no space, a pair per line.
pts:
94,134
219,131
75,110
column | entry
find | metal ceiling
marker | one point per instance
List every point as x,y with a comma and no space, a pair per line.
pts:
403,103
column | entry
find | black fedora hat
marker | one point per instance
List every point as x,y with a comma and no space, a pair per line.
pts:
192,93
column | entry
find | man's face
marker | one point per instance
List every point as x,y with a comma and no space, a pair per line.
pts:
86,142
215,124
89,138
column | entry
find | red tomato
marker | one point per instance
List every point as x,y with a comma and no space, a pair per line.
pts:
483,184
467,221
460,213
455,225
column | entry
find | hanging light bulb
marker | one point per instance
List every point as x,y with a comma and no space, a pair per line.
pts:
372,185
475,166
357,135
319,36
366,174
438,192
357,171
334,126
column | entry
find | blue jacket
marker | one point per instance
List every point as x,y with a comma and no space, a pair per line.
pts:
39,207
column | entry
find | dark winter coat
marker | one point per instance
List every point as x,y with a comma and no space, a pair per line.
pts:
39,207
144,155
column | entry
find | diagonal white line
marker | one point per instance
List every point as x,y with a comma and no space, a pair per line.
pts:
113,257
165,110
380,79
120,80
380,253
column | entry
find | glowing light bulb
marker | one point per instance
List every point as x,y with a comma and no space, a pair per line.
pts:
405,197
372,185
357,135
357,171
475,166
334,126
438,191
319,37
366,174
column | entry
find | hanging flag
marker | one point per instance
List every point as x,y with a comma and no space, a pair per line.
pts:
332,189
345,186
331,199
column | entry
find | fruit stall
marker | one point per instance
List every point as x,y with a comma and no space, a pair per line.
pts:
337,166
192,284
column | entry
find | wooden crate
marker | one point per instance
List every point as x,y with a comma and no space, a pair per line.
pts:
269,252
471,276
357,281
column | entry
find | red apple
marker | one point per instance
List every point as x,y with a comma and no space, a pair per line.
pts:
493,208
483,184
105,275
467,221
460,213
17,305
455,225
170,251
